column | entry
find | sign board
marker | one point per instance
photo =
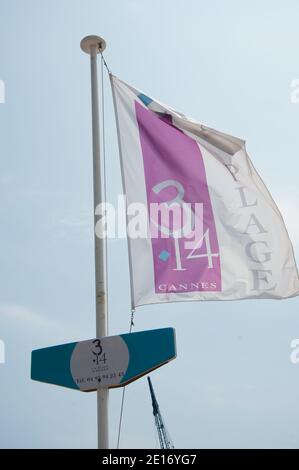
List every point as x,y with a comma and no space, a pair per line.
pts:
113,361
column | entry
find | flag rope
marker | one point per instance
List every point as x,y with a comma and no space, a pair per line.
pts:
124,389
104,64
104,176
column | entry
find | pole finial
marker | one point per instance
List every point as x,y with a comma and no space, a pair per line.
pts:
90,42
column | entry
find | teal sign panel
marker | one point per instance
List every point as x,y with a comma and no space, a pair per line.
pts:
113,361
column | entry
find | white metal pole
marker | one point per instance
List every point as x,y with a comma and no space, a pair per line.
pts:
93,45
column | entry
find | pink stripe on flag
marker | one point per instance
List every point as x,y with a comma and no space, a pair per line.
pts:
169,154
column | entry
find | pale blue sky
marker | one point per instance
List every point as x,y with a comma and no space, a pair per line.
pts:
228,64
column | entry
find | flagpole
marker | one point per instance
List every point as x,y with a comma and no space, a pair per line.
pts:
93,45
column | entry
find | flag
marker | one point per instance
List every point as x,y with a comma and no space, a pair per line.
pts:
243,250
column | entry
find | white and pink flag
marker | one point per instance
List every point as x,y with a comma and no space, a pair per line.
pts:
242,250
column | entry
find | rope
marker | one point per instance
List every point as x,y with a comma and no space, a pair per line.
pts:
124,389
121,416
104,63
132,319
104,178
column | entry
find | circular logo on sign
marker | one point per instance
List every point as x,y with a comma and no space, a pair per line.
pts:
99,362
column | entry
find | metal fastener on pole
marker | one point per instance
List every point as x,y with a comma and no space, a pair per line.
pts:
93,45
